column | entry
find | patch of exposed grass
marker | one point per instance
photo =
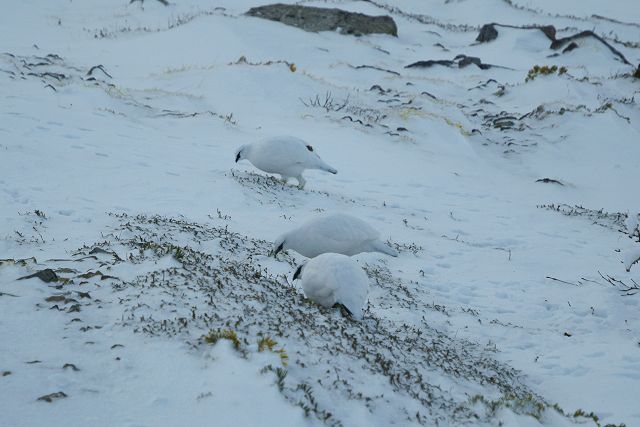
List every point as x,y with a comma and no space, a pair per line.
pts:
544,70
224,284
222,334
611,220
267,343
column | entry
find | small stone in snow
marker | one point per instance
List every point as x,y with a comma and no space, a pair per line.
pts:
71,366
53,396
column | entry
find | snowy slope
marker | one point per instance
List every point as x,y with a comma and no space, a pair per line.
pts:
509,295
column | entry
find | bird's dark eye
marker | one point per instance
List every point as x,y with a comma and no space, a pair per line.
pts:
310,148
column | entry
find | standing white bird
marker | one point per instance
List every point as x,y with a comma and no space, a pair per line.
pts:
331,279
286,155
337,233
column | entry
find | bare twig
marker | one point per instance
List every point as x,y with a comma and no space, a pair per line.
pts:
328,103
164,2
625,288
562,281
8,294
98,67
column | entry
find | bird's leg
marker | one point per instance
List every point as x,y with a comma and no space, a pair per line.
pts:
301,181
344,310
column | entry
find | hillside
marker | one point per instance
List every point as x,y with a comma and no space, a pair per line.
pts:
504,170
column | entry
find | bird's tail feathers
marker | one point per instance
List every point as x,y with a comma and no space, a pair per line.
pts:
332,170
380,246
322,165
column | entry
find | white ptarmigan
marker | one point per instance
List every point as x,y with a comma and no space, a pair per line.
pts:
331,279
285,155
338,233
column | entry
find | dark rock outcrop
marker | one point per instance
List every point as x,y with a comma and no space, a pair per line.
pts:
431,63
560,43
548,30
323,19
488,32
47,276
460,61
464,60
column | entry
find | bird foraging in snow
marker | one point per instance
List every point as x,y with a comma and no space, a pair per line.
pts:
331,279
337,233
286,155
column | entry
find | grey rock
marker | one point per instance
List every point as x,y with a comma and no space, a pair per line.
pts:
316,19
47,275
430,63
560,43
572,45
549,31
53,396
464,60
460,61
487,33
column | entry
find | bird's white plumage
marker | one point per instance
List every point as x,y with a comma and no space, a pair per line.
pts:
286,155
632,223
337,233
334,278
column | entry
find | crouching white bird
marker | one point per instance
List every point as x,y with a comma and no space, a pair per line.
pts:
338,233
286,155
331,279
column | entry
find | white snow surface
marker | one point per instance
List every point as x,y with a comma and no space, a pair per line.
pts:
509,294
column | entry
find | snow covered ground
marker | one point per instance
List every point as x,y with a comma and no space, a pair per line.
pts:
511,202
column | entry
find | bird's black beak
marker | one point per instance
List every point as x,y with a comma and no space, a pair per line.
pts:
296,275
237,157
278,250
